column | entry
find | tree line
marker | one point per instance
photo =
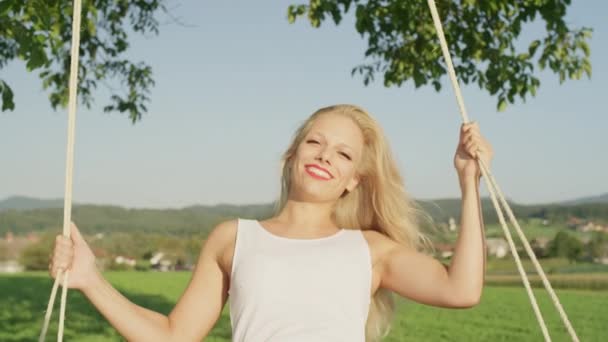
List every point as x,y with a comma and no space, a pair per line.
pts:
201,219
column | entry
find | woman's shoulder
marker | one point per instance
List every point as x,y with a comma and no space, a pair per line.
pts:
221,239
222,236
223,232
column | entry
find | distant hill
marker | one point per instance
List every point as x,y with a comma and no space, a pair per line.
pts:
21,215
27,203
442,207
603,198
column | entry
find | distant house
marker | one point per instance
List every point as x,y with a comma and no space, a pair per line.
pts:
444,250
582,225
452,224
603,260
574,222
541,242
14,245
10,266
539,246
497,247
125,260
160,263
591,227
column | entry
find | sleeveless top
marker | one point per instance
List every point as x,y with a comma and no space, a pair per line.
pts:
299,290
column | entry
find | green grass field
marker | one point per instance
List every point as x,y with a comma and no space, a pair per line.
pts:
550,266
503,315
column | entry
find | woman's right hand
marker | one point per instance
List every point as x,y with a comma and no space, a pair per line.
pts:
75,255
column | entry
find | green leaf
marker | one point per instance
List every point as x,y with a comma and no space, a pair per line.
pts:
533,46
37,58
587,67
292,14
7,96
502,105
584,46
5,7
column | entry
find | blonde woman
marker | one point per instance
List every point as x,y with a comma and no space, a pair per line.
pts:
345,237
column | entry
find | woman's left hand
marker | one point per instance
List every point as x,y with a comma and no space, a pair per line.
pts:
470,147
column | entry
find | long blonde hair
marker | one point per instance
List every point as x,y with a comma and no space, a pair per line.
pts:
379,202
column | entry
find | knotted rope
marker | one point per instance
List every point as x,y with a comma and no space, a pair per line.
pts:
493,189
69,168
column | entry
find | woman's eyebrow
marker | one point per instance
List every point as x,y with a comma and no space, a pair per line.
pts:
339,144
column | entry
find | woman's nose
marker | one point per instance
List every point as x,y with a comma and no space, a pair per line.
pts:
324,155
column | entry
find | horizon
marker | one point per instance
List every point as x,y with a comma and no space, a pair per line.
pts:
487,197
230,93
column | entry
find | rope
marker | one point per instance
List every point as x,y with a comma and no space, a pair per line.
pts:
69,168
487,175
492,187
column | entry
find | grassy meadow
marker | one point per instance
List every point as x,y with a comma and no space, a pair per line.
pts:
503,315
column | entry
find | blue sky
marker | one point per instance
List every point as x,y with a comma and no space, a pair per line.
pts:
233,85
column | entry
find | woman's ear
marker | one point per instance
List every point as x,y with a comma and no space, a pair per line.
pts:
352,184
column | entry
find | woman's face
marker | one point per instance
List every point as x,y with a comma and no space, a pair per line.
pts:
326,160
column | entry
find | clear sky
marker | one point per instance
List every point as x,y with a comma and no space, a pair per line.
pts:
233,85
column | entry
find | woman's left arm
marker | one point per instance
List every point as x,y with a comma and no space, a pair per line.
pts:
466,271
467,268
424,279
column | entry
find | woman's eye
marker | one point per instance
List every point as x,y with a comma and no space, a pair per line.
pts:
345,155
312,141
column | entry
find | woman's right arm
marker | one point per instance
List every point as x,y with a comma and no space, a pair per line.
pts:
195,313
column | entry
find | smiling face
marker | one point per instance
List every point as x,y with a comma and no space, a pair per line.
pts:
325,162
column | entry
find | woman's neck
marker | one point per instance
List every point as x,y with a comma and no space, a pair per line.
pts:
307,216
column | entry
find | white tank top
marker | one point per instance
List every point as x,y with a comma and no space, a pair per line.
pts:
299,290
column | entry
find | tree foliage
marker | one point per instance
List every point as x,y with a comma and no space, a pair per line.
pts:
39,33
598,245
565,245
108,219
201,219
483,38
35,257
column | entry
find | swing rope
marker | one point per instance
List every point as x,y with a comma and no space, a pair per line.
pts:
493,187
69,169
487,175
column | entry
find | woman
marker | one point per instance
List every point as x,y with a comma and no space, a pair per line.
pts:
323,269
